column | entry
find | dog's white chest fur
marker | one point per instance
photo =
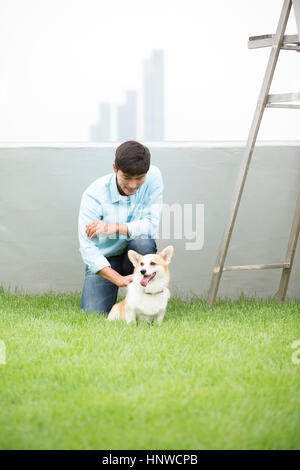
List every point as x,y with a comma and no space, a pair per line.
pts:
146,306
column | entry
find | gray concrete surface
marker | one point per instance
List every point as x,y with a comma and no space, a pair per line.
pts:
41,188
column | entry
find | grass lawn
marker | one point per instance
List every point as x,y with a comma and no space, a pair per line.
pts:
205,379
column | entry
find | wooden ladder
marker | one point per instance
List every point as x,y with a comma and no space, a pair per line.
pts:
277,42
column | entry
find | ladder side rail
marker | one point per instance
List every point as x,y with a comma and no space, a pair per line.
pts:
285,276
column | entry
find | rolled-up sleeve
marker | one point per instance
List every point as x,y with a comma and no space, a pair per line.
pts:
147,225
90,210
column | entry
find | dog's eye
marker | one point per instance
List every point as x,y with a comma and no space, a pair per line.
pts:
142,264
152,263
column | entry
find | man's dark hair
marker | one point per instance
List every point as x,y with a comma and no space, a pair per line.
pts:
132,158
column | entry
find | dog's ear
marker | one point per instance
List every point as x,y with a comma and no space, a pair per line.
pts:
167,253
134,257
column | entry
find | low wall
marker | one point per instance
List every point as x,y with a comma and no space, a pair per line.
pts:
41,188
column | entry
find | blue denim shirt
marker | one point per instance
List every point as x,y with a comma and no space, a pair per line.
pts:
140,212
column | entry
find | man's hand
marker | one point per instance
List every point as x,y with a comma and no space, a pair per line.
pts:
99,226
113,276
124,281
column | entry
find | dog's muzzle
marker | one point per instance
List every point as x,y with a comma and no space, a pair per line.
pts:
145,279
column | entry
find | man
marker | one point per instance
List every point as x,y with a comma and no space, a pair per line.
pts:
118,212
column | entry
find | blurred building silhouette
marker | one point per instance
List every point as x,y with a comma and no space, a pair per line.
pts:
126,114
127,117
154,96
101,132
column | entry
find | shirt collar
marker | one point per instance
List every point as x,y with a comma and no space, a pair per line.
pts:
114,192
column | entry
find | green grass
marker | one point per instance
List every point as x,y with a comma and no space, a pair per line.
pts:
205,379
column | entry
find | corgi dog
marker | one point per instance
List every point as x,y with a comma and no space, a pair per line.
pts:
148,293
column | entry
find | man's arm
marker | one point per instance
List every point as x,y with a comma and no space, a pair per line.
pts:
113,276
90,209
99,226
122,229
148,222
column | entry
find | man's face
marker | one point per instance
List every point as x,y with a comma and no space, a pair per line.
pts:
128,184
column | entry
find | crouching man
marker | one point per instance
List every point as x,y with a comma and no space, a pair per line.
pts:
118,212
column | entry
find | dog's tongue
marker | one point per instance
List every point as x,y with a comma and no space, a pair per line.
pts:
145,280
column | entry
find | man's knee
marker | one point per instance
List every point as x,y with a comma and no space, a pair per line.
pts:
98,295
94,306
144,246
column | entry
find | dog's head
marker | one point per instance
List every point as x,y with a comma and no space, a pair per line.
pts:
152,268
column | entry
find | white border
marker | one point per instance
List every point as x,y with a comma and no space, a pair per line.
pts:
165,144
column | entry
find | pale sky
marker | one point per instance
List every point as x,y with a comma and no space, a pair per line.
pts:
59,59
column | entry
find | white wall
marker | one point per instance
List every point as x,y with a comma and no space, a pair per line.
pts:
41,188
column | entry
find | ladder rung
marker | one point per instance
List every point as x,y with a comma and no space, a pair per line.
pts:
252,267
282,100
290,106
291,48
266,40
283,97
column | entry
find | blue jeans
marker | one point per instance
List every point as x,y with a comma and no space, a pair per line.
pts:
99,294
